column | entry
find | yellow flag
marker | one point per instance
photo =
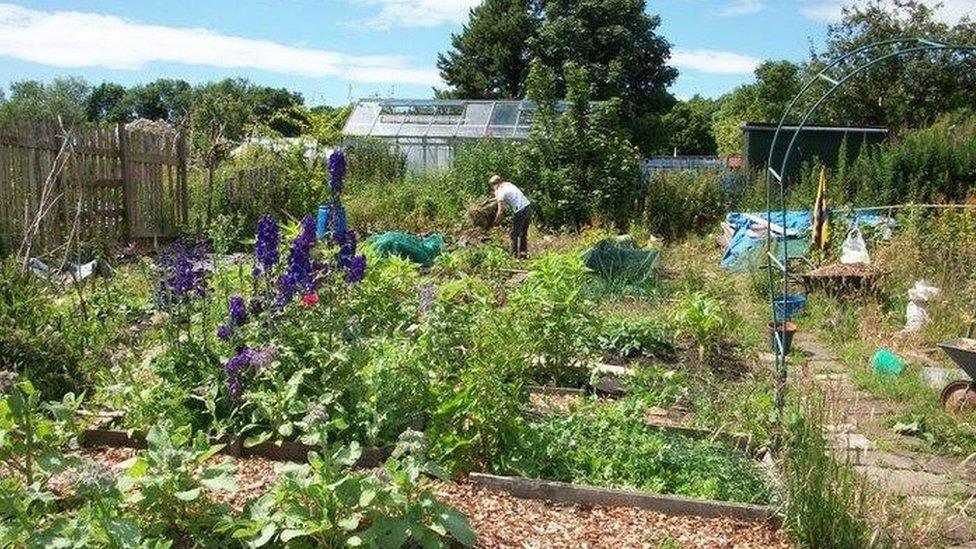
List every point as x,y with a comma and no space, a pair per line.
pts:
821,223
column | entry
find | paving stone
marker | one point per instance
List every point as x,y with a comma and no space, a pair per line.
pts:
909,483
937,378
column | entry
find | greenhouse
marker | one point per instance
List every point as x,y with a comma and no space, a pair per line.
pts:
427,132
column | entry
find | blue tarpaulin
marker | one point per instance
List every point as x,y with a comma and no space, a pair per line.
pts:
745,243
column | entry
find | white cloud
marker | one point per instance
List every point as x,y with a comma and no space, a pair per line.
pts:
714,62
419,13
71,39
741,7
830,11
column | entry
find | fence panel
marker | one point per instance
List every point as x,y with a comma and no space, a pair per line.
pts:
88,184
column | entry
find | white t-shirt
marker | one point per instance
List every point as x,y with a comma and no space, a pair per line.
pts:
512,196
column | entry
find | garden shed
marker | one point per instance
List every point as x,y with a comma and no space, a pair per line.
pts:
427,132
815,142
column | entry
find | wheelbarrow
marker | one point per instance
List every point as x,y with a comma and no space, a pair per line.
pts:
960,395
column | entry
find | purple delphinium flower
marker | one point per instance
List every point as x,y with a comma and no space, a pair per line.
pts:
184,276
356,269
235,369
337,172
238,311
266,249
354,265
300,274
224,332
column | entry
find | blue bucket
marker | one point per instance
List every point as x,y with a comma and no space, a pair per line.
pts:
322,221
786,309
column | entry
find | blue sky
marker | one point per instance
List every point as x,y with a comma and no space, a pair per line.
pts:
335,50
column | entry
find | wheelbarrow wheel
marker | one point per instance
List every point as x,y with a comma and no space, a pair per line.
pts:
959,396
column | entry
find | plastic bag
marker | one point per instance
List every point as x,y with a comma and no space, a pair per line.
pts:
854,250
916,315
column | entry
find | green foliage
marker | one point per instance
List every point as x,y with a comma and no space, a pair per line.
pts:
614,43
489,58
937,163
32,99
689,127
764,100
703,319
476,162
556,321
418,203
680,204
32,433
578,167
825,501
611,445
167,485
325,504
915,90
629,338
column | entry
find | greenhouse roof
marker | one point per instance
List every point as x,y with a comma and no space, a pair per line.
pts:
403,118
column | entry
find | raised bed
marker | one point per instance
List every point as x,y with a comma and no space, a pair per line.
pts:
275,451
561,492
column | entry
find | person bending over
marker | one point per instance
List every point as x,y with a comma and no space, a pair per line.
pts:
508,194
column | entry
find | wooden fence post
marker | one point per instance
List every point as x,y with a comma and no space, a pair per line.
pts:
128,191
182,159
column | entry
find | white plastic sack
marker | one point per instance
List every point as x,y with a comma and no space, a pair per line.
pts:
915,314
855,250
915,317
923,291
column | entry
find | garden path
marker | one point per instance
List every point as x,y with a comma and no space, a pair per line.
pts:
894,463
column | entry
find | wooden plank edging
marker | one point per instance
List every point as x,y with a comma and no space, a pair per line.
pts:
559,391
275,451
562,492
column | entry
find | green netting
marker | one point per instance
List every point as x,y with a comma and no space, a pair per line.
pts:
619,261
409,246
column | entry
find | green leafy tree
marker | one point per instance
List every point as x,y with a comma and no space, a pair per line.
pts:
764,100
616,43
106,103
688,126
62,97
163,99
489,58
613,41
578,166
910,91
278,109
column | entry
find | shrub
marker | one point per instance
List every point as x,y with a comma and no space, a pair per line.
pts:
683,203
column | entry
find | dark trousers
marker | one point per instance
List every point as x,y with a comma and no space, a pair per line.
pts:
520,232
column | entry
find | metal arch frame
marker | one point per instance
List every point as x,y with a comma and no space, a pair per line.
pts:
904,47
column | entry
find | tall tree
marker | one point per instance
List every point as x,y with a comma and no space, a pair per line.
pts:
106,103
164,99
615,41
62,97
905,92
489,58
764,100
688,126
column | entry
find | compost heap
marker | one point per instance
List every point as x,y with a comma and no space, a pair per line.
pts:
409,246
619,260
481,215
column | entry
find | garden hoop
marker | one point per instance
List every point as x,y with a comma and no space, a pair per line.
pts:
902,47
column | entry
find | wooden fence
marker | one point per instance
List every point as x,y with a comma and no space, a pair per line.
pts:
88,184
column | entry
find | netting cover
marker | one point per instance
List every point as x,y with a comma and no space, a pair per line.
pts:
619,261
409,246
